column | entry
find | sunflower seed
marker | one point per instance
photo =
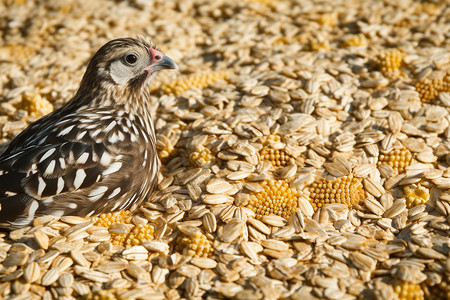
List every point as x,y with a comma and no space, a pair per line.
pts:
232,230
31,272
373,187
49,277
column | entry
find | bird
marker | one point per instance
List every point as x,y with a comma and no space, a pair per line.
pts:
95,154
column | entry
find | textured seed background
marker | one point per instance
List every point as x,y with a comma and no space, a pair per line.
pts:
305,150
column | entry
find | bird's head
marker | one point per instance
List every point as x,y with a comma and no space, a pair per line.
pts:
125,65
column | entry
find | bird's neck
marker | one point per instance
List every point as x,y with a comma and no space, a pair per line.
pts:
139,106
135,103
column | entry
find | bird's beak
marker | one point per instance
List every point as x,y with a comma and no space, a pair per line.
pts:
165,63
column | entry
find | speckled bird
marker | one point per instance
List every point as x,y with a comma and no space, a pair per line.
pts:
96,153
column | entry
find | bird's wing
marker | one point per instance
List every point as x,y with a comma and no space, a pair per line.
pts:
70,162
31,178
43,172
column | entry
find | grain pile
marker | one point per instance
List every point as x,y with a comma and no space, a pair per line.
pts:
331,115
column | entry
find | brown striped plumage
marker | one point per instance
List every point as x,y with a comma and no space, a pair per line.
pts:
95,154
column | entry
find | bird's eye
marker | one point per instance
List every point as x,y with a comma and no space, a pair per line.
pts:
131,59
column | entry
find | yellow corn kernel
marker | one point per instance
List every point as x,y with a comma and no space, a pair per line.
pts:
390,61
201,157
119,239
194,244
138,235
272,138
16,52
347,190
282,40
398,159
409,291
329,20
277,157
416,194
167,153
354,40
429,89
275,198
35,104
135,235
200,81
319,45
108,219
